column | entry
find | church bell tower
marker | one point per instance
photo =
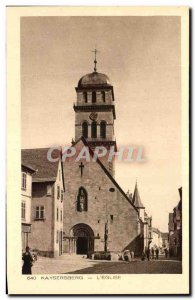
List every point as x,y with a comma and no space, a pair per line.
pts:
95,112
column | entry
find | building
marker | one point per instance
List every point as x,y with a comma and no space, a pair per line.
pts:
26,196
98,215
175,229
47,201
146,220
165,240
156,238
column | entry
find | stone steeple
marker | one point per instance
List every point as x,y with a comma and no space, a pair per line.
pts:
138,203
136,198
95,112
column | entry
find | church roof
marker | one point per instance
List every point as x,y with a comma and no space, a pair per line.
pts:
136,198
94,79
105,170
37,158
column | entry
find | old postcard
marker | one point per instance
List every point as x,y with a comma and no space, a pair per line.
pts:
98,150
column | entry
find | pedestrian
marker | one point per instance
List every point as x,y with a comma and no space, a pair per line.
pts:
166,253
152,251
28,262
143,256
157,252
148,253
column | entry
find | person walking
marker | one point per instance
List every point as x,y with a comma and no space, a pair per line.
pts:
148,253
152,251
166,253
28,261
157,253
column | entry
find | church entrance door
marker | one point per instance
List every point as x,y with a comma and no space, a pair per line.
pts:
82,245
84,236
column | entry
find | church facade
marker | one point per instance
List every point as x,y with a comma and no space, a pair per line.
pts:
77,205
98,215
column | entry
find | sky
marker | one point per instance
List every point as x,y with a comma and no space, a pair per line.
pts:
141,56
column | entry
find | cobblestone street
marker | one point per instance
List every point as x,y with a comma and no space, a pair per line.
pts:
77,264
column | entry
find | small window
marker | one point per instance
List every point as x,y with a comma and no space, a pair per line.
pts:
82,204
57,236
111,218
85,97
61,215
48,189
57,214
93,97
103,96
40,212
85,129
23,210
23,181
58,192
94,129
62,195
103,129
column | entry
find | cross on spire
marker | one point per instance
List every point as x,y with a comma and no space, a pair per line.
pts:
95,59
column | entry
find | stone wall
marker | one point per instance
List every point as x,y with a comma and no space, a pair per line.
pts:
103,206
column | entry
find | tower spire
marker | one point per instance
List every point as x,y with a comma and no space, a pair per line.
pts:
95,59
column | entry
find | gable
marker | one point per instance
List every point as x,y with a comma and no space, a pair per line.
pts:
83,143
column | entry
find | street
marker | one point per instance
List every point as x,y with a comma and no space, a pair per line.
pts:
134,267
77,264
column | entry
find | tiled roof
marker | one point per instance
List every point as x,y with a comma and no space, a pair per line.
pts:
37,159
136,198
28,167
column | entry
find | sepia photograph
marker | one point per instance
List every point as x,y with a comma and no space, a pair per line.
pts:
101,134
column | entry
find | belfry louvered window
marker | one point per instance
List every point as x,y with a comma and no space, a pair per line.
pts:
94,129
103,129
85,130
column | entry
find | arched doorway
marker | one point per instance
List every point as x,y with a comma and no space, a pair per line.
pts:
84,238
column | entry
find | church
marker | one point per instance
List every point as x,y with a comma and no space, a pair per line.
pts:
77,205
98,214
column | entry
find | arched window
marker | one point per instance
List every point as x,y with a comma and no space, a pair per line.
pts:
85,96
85,129
103,96
82,204
93,129
103,129
93,97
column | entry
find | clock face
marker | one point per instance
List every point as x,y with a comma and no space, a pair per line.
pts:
93,116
